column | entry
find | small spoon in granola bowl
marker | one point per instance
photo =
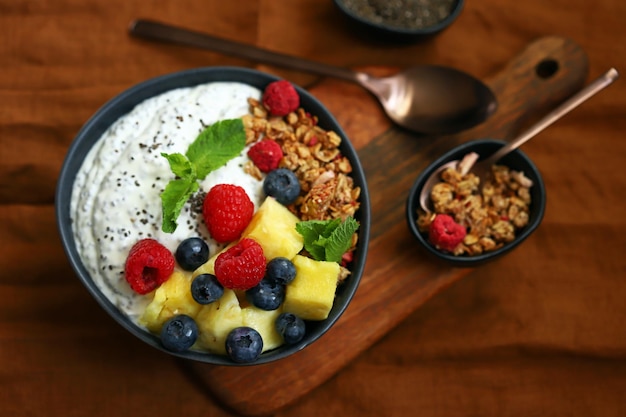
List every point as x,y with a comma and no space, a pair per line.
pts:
426,99
482,168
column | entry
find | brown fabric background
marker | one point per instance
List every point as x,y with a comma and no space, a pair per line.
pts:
541,332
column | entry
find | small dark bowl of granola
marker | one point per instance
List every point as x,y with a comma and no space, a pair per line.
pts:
472,224
401,20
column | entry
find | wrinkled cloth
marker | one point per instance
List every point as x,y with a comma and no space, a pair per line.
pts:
540,332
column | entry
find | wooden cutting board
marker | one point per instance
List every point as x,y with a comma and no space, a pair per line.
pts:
398,277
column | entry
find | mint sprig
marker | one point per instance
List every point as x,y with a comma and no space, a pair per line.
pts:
213,148
216,145
327,240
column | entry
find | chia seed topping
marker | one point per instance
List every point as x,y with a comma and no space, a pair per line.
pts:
116,196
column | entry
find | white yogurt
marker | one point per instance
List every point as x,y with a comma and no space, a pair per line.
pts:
116,196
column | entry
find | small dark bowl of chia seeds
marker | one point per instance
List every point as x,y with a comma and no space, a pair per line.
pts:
406,20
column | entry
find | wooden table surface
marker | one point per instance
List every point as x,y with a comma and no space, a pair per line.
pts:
541,331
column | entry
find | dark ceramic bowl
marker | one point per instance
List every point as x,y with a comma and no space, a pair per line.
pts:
124,103
374,26
516,160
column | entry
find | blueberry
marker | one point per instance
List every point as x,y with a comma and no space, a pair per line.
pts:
244,344
192,253
283,185
205,288
179,333
266,295
290,327
280,270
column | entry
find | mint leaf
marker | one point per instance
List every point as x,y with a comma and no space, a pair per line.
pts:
311,230
173,198
314,233
180,165
340,239
216,145
327,240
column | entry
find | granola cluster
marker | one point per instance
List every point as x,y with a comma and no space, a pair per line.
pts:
328,190
491,213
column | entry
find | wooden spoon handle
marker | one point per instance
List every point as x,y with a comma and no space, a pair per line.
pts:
157,31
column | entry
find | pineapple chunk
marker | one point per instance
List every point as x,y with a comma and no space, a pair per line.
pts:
216,320
209,266
274,227
170,299
263,322
206,268
312,293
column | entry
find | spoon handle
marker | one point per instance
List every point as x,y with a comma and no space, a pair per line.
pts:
564,108
149,29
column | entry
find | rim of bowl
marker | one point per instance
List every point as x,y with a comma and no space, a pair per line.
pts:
122,104
428,30
465,261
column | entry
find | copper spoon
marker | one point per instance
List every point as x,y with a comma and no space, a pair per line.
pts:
483,167
426,99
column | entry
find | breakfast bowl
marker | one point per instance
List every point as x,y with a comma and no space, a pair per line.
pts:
134,218
400,20
512,227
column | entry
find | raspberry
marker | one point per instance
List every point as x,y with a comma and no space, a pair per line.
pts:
445,233
280,98
149,264
242,266
346,258
227,210
266,155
